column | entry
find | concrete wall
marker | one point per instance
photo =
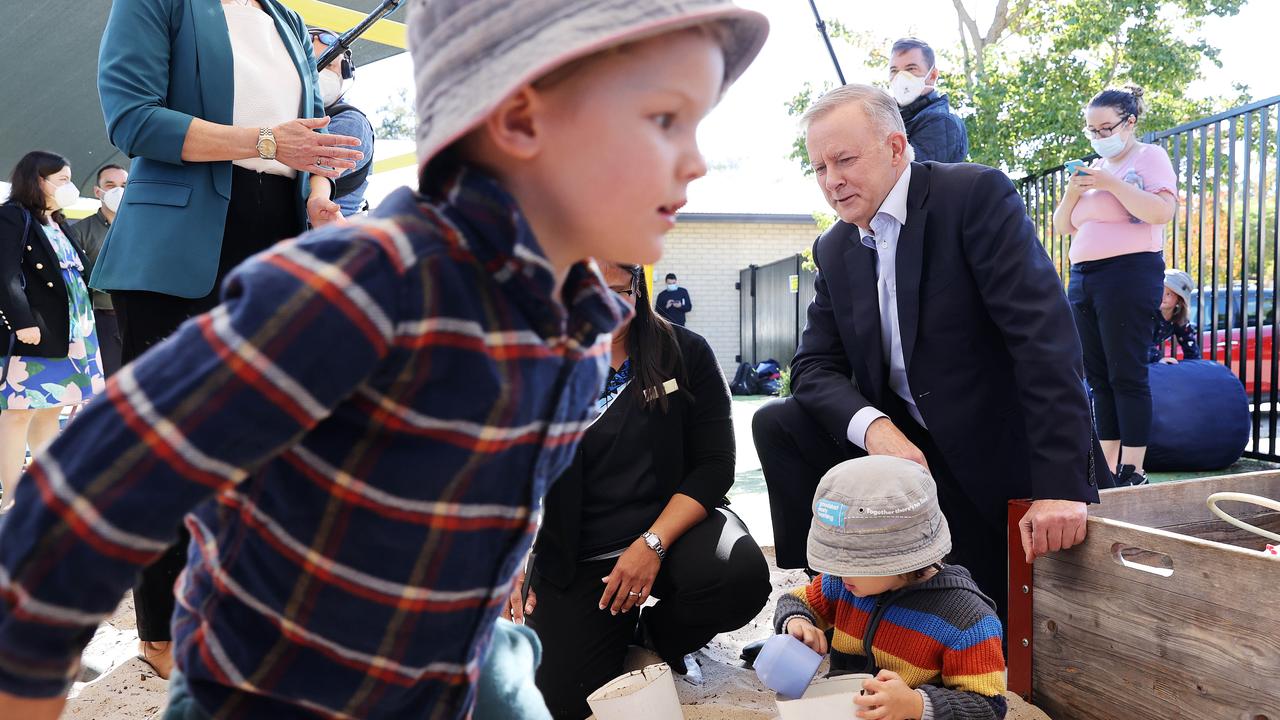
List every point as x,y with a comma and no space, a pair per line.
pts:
707,251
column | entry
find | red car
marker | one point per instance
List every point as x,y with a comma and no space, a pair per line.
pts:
1222,344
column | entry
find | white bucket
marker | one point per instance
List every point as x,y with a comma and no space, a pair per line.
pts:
825,698
645,694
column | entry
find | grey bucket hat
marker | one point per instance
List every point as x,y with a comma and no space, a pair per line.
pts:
1180,283
469,55
876,516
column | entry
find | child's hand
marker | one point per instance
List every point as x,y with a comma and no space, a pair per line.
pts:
807,633
888,697
1168,361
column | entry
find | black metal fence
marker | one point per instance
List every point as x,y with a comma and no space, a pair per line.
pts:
1224,235
772,302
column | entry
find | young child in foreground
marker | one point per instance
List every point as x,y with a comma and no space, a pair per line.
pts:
929,637
364,429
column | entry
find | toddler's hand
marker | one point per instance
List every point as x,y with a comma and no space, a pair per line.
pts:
1168,361
888,697
807,633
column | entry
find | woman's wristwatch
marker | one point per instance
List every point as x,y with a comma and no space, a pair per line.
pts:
655,544
266,144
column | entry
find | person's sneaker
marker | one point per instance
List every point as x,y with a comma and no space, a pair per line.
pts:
750,652
1129,475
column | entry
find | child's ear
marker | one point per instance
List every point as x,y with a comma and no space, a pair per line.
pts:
513,127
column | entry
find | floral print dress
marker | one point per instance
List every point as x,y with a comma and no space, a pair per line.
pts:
36,383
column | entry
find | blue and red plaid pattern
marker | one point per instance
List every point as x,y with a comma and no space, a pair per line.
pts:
362,433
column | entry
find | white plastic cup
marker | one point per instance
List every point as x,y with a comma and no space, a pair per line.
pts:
645,694
786,665
826,698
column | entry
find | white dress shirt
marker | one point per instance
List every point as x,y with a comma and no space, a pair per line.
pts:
882,237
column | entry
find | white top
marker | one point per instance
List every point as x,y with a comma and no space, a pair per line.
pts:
883,238
268,90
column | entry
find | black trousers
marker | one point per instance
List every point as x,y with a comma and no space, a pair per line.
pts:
714,580
262,212
1115,302
108,340
795,452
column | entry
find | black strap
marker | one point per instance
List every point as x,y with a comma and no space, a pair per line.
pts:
351,181
22,281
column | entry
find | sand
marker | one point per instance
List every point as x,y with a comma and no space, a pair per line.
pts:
118,686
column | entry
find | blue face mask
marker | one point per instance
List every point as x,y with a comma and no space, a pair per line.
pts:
672,286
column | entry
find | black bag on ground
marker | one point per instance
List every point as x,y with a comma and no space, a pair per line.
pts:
744,381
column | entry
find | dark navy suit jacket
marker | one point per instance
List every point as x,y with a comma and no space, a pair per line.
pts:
990,346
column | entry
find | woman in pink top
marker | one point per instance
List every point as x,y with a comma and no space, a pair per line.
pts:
1116,211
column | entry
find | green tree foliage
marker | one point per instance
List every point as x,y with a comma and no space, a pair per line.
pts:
1024,100
1022,84
396,119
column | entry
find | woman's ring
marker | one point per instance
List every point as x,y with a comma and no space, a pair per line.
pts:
632,592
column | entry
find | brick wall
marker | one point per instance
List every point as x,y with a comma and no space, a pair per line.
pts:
707,251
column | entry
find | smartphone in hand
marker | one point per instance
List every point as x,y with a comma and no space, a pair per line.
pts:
1073,166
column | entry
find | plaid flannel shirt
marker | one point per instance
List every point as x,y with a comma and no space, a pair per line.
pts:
362,433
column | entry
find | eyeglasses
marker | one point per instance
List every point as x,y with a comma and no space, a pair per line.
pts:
1106,130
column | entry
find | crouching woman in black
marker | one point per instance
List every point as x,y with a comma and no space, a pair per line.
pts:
642,512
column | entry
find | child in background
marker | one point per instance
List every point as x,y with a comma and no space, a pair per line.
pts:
929,637
1174,320
364,429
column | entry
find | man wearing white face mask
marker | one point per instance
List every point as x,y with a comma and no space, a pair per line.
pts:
89,234
932,130
336,81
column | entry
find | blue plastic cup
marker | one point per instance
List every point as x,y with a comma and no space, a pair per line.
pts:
786,665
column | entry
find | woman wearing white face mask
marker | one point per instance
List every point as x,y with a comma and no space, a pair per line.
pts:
1116,211
48,340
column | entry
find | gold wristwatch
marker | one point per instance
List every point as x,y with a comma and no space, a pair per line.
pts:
266,144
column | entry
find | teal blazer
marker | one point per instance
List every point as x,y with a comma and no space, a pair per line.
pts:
161,64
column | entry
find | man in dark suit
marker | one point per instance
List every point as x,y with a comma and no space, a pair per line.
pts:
939,333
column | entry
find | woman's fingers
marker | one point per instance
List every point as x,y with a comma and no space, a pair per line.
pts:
330,139
610,588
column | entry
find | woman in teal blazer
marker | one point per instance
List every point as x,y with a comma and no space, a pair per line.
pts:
179,81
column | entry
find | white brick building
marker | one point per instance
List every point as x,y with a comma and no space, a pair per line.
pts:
707,250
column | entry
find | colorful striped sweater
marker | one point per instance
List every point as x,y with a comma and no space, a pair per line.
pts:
941,635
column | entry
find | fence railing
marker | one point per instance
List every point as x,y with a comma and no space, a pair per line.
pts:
1224,235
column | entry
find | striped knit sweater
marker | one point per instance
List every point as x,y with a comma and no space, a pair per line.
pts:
941,635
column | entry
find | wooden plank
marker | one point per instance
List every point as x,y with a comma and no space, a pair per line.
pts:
1223,532
1181,501
1112,641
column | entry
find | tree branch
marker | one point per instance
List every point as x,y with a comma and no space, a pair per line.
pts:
1015,16
968,64
967,23
999,22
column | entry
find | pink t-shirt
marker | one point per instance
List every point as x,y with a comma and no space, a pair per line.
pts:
1104,229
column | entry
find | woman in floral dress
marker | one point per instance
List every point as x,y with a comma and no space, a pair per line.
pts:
48,340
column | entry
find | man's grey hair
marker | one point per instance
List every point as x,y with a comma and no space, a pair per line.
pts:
877,105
